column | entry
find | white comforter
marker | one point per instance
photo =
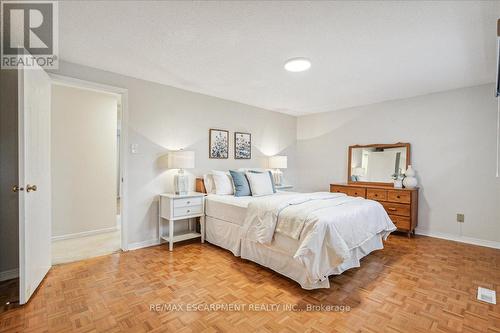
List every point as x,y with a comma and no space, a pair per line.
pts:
327,225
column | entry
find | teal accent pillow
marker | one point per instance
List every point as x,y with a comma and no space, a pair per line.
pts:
241,186
270,176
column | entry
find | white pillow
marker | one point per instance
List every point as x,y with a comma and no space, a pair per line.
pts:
252,169
208,180
223,182
260,183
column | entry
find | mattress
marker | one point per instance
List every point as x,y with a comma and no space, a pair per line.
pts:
225,217
227,208
230,208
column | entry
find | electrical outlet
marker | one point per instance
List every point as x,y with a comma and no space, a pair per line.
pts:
460,218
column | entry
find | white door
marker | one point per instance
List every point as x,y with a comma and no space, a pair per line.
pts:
34,180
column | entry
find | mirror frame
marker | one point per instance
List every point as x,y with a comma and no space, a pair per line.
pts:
377,145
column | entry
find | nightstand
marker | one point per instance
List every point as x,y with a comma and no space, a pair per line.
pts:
283,187
174,207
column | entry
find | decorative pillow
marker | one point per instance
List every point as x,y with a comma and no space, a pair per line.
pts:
270,175
241,186
208,180
260,184
223,182
251,170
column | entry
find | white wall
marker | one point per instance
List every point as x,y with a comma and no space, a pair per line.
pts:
453,142
84,151
161,118
452,136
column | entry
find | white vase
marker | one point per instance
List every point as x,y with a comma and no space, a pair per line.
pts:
410,181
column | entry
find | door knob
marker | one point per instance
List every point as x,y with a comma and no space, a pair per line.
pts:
17,188
31,188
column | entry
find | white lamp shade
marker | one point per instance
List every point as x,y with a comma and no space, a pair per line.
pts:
182,159
278,162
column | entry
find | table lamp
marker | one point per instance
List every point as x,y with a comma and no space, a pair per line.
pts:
278,162
181,159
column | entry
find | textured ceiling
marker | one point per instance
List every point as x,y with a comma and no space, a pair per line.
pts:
361,52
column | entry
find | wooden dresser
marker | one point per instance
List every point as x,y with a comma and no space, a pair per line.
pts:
400,203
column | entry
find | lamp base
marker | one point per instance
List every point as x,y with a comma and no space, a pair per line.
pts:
181,182
278,177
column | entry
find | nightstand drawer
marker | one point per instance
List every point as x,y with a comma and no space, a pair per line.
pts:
187,211
187,202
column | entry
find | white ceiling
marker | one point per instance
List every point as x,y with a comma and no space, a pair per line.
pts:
361,52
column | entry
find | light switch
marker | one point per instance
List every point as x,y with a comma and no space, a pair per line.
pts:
134,148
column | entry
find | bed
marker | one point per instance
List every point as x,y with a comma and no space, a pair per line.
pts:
305,237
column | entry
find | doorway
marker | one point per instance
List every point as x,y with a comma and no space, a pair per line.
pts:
9,200
87,170
25,249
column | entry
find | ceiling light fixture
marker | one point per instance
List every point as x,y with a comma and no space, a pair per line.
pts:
297,64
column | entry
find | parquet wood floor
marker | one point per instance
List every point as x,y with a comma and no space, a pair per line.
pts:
9,293
414,285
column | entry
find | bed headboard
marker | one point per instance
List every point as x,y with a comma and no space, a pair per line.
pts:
200,185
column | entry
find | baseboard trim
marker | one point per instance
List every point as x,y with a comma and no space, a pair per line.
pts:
458,238
85,233
9,274
140,245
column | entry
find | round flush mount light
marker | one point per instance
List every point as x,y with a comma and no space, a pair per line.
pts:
297,64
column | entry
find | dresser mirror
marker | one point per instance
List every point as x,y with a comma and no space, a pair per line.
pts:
377,164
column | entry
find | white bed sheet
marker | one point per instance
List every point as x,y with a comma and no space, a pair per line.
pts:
333,225
225,217
230,208
285,264
223,234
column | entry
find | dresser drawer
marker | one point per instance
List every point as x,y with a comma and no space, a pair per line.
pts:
351,191
187,211
396,208
187,202
338,189
356,192
376,194
401,222
399,196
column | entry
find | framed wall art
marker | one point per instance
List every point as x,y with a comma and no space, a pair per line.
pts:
218,146
242,146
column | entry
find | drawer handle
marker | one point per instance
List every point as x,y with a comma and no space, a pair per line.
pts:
190,202
189,210
397,196
376,195
392,209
